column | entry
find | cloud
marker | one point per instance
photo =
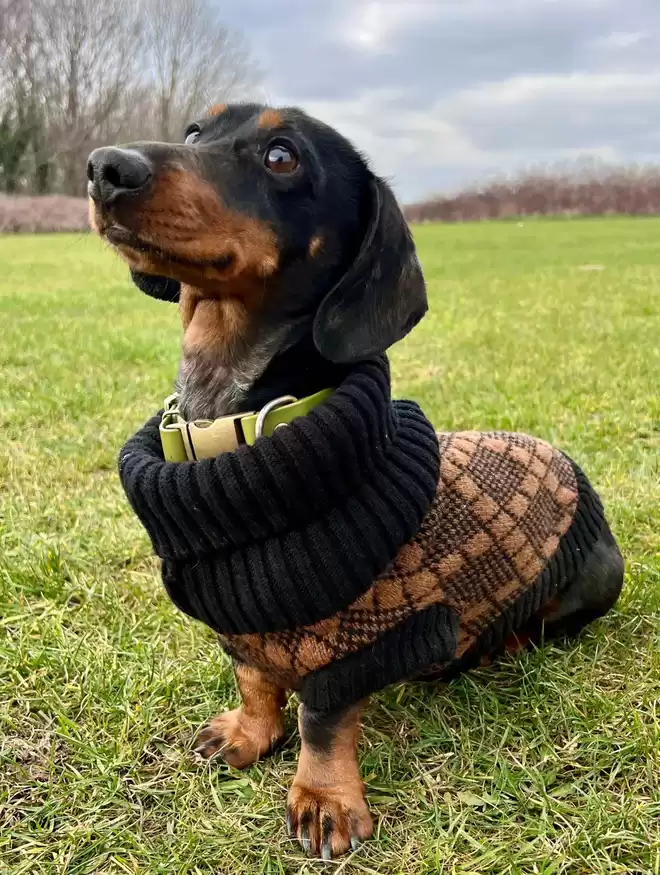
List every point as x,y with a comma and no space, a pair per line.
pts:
621,39
376,25
501,126
522,91
564,112
440,92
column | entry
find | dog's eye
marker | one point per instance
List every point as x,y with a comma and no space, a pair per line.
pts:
281,159
192,136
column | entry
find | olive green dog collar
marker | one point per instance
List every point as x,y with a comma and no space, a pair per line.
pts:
184,441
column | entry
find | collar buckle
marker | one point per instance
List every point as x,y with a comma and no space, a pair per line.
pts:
184,441
206,438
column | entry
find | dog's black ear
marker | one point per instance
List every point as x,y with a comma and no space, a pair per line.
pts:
381,297
157,286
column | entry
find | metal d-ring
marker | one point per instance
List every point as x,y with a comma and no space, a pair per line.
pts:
267,408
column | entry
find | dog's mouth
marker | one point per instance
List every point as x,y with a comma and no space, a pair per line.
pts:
125,239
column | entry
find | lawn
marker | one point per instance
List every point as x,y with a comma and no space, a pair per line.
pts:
548,763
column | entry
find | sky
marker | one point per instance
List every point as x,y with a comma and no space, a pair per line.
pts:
444,93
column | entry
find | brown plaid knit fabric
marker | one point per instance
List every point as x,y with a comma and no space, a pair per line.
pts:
503,503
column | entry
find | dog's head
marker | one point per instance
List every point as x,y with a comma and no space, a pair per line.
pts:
272,211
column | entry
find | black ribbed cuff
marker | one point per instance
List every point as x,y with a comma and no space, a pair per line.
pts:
427,638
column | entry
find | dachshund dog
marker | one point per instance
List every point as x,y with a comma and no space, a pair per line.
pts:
250,224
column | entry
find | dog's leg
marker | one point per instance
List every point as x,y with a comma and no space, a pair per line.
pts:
592,594
589,596
247,733
327,810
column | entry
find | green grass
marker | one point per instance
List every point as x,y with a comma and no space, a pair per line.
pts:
549,763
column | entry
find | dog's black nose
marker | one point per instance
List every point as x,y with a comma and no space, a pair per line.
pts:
113,173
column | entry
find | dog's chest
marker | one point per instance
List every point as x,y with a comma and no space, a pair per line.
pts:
208,390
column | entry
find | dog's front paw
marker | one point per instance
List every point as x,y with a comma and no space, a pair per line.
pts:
239,739
328,821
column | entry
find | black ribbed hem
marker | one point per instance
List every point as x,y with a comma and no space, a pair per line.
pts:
568,562
427,638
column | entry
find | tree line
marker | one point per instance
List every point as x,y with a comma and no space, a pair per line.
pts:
580,188
75,74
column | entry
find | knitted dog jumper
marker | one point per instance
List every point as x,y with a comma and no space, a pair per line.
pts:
354,548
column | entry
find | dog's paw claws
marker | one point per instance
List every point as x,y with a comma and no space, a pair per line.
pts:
305,840
328,823
237,739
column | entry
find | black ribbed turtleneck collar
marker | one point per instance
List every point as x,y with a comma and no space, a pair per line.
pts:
293,529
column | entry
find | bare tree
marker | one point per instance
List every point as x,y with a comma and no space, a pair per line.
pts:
195,60
20,103
78,73
65,65
90,59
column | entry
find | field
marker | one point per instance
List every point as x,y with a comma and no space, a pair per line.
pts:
548,763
